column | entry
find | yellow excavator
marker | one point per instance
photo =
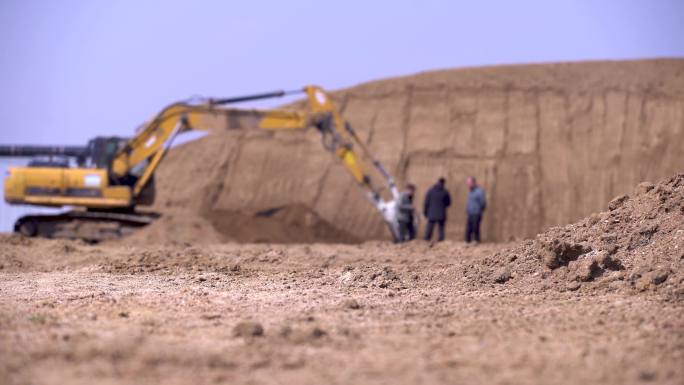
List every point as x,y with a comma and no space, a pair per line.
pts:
113,175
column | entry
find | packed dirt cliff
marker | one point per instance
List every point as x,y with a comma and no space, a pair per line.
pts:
550,143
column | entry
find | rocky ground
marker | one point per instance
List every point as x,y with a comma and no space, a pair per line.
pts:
596,302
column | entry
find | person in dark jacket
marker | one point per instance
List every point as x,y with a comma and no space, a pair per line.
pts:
437,200
475,207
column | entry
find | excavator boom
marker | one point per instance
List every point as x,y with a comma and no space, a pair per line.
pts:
120,172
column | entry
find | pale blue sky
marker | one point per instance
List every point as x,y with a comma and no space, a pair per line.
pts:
70,70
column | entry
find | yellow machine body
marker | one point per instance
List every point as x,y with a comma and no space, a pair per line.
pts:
56,187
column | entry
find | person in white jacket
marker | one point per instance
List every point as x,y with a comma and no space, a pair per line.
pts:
406,214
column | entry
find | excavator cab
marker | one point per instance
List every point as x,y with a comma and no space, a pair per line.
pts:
103,149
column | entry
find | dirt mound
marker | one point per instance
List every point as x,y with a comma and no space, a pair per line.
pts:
284,224
550,143
179,228
637,244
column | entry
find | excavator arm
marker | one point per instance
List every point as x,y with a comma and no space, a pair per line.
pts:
339,137
143,153
123,175
146,150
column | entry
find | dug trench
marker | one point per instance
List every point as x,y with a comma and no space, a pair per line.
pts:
599,301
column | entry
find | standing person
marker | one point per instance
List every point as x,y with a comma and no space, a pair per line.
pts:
475,207
405,214
435,207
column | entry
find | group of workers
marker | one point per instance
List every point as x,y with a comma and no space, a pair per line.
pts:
437,201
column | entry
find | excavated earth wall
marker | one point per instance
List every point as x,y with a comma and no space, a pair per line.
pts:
550,143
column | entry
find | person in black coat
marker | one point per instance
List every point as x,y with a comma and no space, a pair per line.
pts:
437,200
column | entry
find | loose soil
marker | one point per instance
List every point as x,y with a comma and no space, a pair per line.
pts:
600,301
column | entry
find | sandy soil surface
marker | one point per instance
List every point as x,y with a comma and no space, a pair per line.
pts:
600,301
377,313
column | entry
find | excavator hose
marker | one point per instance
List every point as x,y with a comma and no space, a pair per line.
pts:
266,95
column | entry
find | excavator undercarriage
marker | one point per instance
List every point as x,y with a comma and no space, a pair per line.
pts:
90,226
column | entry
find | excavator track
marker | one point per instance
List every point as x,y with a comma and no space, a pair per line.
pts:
90,226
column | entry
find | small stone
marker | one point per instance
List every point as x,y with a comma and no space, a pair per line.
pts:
611,249
347,278
285,331
572,286
302,336
550,260
351,304
604,260
123,314
248,329
644,187
318,333
643,283
560,253
663,191
608,238
293,363
649,229
587,269
502,275
389,274
647,376
617,202
660,277
594,219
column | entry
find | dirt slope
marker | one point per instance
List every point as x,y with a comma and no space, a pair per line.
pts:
637,244
550,143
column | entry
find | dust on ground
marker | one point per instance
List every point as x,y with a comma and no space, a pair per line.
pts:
596,302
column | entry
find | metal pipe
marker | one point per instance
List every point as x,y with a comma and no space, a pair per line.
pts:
32,150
